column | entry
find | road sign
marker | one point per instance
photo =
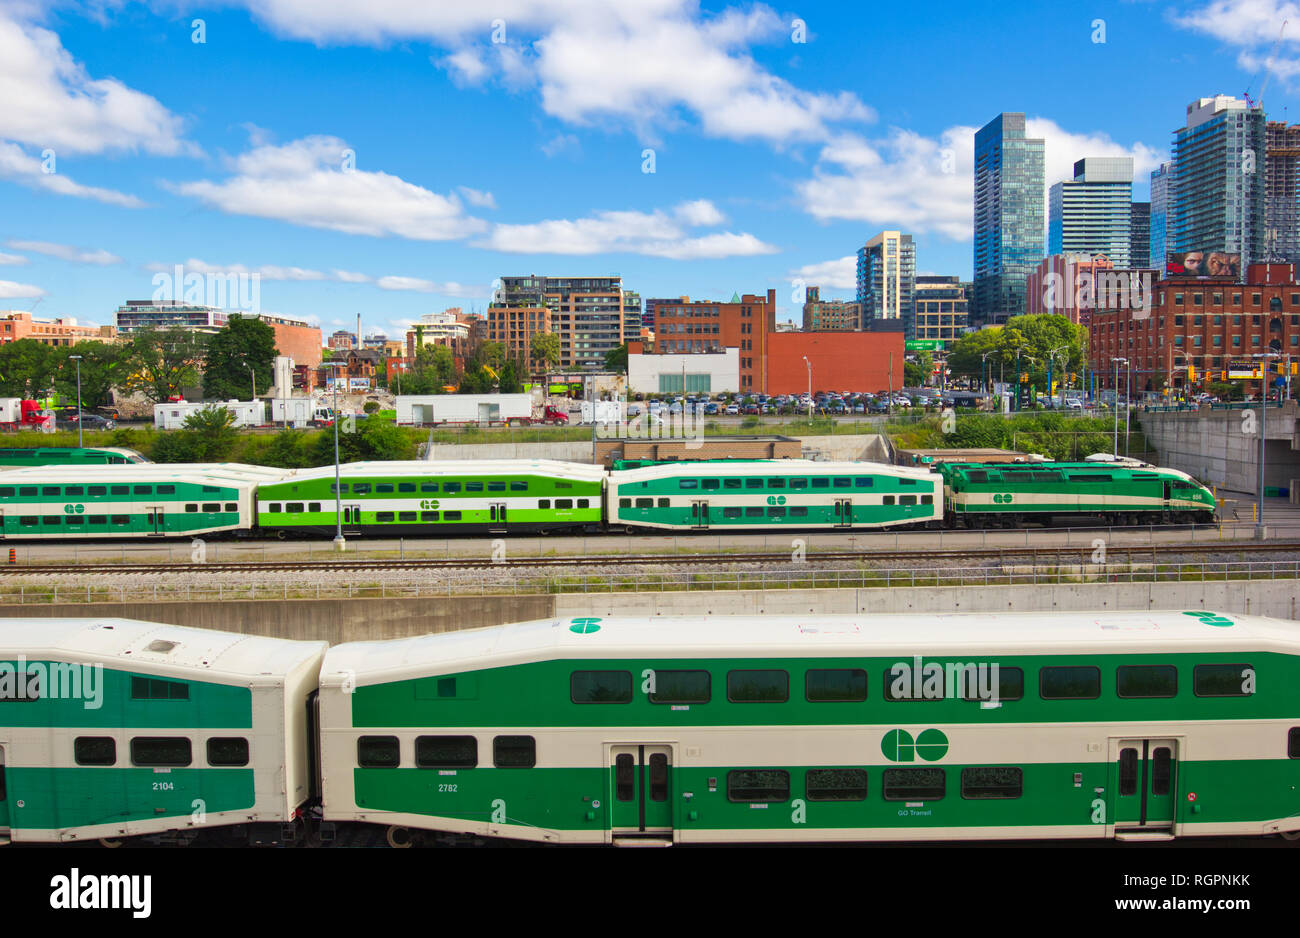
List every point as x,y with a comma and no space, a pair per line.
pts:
923,345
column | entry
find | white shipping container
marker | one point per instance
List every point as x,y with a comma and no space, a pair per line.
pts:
172,416
11,409
425,409
292,411
603,411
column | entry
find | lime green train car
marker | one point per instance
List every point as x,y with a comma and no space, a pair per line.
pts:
787,493
1119,492
1133,726
113,728
423,498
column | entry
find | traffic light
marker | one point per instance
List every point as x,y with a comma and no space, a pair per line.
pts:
1191,372
1223,376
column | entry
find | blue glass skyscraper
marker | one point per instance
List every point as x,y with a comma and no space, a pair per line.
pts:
1009,218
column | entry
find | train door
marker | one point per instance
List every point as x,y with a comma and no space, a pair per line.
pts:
843,513
497,514
2,523
641,791
699,514
4,795
352,516
154,518
1144,777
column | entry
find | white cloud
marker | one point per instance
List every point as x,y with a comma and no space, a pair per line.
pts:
475,197
305,182
840,274
654,234
645,63
274,272
561,143
925,185
14,260
28,170
100,258
1255,26
415,284
349,276
10,290
47,99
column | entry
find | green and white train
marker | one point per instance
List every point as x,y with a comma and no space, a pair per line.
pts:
686,730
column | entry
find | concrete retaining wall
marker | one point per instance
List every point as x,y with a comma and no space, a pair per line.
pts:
343,620
1221,447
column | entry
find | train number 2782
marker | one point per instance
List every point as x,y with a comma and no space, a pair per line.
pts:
446,787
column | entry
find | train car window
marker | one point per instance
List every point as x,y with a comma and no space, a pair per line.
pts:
166,490
273,508
977,475
338,488
993,782
384,488
688,483
77,490
451,516
564,485
93,490
76,519
710,484
731,512
647,502
887,500
406,486
1128,760
758,686
496,486
94,750
1223,680
211,488
798,512
1146,680
835,685
907,482
49,490
150,688
312,506
843,483
658,777
624,776
836,784
863,482
473,486
121,519
446,752
822,483
518,485
28,521
776,483
627,503
142,490
680,687
753,512
753,483
227,750
907,499
1293,743
915,784
216,506
584,503
428,486
758,785
543,503
232,506
563,503
383,517
428,516
161,751
1011,684
798,483
1161,770
29,490
361,488
902,682
927,499
776,512
514,752
378,752
451,487
6,491
99,519
731,483
1073,682
600,687
406,516
49,519
665,502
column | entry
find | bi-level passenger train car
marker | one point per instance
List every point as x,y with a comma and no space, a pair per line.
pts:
112,728
68,456
1137,726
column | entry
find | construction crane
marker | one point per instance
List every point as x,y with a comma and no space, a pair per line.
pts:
1267,72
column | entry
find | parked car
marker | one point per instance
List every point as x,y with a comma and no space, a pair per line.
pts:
92,422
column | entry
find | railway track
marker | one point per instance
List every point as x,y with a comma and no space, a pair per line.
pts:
1149,553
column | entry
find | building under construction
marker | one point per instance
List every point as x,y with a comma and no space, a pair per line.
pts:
1282,189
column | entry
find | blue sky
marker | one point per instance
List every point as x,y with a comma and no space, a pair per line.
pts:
392,158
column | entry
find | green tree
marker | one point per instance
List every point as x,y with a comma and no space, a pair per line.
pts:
544,350
27,368
102,369
241,344
160,363
288,450
616,359
208,436
376,438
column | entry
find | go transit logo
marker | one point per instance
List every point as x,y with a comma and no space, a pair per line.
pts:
899,746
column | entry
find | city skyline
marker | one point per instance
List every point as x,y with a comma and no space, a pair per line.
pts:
772,161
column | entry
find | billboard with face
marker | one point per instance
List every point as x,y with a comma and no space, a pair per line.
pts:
1203,264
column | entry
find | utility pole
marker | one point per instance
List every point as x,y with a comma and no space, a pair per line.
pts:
339,543
80,436
809,364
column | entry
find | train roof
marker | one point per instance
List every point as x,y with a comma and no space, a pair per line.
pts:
1133,466
957,634
771,467
156,648
146,472
452,467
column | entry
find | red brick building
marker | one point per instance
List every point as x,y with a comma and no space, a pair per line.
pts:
841,361
746,322
1202,323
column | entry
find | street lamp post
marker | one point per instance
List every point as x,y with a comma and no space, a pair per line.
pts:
1051,358
339,543
1263,416
1117,361
809,364
77,359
